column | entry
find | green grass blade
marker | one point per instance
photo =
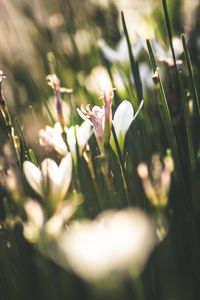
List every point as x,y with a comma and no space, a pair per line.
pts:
165,114
151,55
122,164
187,124
191,74
134,64
32,157
167,20
24,149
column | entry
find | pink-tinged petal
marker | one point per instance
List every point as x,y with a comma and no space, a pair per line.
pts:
84,117
98,110
33,176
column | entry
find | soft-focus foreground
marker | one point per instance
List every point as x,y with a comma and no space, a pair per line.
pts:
99,150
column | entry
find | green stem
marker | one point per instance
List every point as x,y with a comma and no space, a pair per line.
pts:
122,164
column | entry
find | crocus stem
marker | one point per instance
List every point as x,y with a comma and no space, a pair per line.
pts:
121,163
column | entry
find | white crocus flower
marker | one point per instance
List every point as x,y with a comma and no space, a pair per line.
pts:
82,133
123,118
112,244
37,224
120,54
51,182
51,138
100,118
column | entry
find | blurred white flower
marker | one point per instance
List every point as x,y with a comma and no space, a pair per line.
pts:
82,133
35,220
123,118
54,82
112,244
37,224
166,55
51,138
51,182
98,79
121,53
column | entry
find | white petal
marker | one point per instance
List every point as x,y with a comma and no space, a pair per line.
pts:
83,116
71,139
49,168
65,174
83,134
123,118
33,176
34,212
58,127
139,108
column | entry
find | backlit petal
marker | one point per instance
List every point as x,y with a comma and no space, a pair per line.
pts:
33,176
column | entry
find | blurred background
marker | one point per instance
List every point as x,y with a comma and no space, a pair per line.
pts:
70,30
81,41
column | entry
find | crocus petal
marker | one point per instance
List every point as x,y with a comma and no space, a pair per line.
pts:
50,180
83,116
51,138
71,139
33,176
83,134
113,243
49,169
139,108
34,212
65,174
123,118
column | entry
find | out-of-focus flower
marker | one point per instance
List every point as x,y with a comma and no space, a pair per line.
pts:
165,55
113,244
3,104
101,119
35,220
82,133
51,182
37,224
120,55
51,138
98,79
54,82
157,188
123,118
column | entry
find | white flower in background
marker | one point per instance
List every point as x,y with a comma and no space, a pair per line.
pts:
83,133
166,55
51,138
37,224
51,182
121,53
54,82
35,220
112,244
123,118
